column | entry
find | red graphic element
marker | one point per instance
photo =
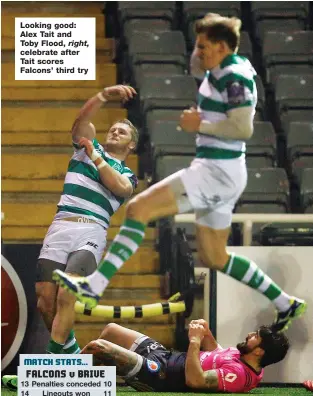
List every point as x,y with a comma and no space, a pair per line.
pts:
13,313
9,313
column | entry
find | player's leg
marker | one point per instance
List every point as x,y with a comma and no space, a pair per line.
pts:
165,198
212,235
46,291
80,263
160,200
152,357
53,256
105,353
120,335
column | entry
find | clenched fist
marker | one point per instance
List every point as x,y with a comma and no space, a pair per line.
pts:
196,332
87,145
190,120
119,92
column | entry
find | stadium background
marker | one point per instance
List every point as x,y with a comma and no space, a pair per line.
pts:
148,45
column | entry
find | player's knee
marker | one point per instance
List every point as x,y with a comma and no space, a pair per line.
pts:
110,328
91,347
213,259
135,209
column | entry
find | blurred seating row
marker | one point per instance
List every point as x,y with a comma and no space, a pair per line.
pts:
167,139
293,96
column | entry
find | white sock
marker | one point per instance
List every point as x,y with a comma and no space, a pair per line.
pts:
98,282
282,302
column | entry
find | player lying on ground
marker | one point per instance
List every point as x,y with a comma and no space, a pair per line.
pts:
214,181
147,366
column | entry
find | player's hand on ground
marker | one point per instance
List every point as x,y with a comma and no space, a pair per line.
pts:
203,323
196,332
87,145
119,92
190,120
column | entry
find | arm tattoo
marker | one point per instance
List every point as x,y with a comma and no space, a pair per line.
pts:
108,354
211,379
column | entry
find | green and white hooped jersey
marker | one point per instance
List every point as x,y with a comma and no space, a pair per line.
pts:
83,192
228,86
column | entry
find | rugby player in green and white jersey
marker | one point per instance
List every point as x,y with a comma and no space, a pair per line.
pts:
215,180
96,184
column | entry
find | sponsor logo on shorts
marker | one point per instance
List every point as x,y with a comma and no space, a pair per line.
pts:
92,244
153,366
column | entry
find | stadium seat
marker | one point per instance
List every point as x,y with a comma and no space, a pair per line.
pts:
278,9
165,115
170,164
53,119
288,48
24,166
197,9
277,15
137,26
305,115
160,43
155,48
149,66
291,69
165,139
300,145
277,25
260,114
268,186
146,9
167,92
261,148
146,5
306,189
294,92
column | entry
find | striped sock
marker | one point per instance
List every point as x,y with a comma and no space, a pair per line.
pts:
124,245
54,347
246,271
71,346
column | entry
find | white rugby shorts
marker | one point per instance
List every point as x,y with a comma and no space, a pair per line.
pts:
212,188
64,237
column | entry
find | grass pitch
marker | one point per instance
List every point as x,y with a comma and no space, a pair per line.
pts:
259,391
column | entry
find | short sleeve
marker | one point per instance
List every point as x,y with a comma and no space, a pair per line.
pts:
132,178
231,378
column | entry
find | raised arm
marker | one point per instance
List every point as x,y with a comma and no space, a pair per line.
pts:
196,378
82,126
208,342
195,68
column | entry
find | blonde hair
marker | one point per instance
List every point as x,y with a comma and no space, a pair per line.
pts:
219,28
